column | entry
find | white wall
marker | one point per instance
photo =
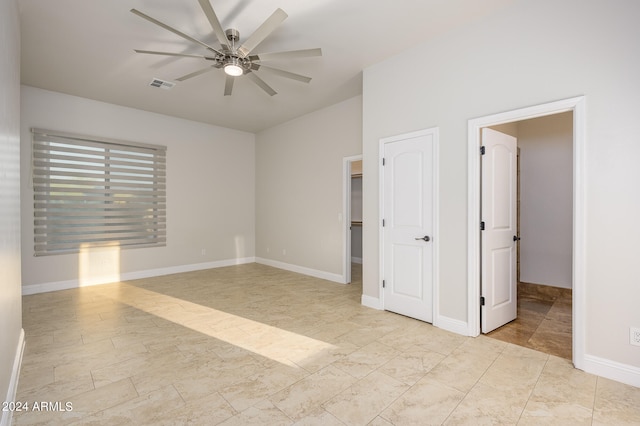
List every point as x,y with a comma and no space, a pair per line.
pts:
10,295
299,185
210,190
546,199
530,53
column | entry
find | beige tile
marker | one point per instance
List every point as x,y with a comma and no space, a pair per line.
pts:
303,397
319,417
214,376
146,409
515,368
321,359
486,404
78,368
462,370
208,410
246,393
418,333
35,378
427,399
616,403
561,384
360,403
60,390
262,414
555,413
135,365
366,359
379,421
40,413
482,346
441,341
411,365
278,376
363,335
176,368
88,403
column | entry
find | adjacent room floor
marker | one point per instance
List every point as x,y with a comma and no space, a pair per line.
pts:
251,344
544,320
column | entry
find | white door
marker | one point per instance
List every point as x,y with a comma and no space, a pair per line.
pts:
408,214
499,237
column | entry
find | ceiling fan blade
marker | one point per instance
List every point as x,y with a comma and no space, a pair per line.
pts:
228,85
197,73
281,73
291,54
262,32
185,55
215,23
173,30
260,82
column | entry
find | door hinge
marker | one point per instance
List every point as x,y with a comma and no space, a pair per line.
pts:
383,284
482,150
383,223
482,226
481,300
383,161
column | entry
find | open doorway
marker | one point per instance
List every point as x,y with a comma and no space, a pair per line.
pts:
352,230
577,106
543,264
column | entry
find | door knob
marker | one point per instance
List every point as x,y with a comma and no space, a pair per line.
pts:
425,238
516,238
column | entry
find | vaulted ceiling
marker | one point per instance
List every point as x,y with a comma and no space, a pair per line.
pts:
86,48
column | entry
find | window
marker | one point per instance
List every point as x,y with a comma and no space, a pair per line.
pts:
90,192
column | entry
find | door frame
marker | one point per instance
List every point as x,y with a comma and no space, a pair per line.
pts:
435,238
346,216
577,105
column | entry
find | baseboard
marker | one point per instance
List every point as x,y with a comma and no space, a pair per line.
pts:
371,302
613,370
340,279
451,324
135,275
6,418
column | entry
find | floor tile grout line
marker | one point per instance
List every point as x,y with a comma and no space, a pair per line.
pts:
533,388
595,398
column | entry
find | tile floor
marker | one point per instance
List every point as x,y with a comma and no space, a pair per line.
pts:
544,320
254,345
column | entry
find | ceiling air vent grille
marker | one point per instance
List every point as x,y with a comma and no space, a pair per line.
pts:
156,82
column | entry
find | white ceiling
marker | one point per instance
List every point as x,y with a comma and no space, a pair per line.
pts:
85,48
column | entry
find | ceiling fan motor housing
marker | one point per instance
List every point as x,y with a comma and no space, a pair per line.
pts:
232,34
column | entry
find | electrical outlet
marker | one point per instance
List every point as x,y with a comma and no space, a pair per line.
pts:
634,336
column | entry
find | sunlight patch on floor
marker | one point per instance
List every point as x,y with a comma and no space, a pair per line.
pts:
280,345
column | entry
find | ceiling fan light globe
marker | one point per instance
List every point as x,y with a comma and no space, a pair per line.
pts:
233,70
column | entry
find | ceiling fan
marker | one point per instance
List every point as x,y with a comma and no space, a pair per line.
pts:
236,59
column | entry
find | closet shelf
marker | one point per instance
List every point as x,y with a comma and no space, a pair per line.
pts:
356,223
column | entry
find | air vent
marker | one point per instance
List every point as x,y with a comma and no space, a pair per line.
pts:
166,85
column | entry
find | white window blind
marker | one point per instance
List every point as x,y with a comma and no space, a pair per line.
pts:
91,192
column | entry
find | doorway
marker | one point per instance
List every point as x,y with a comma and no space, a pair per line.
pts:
352,217
577,107
542,203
